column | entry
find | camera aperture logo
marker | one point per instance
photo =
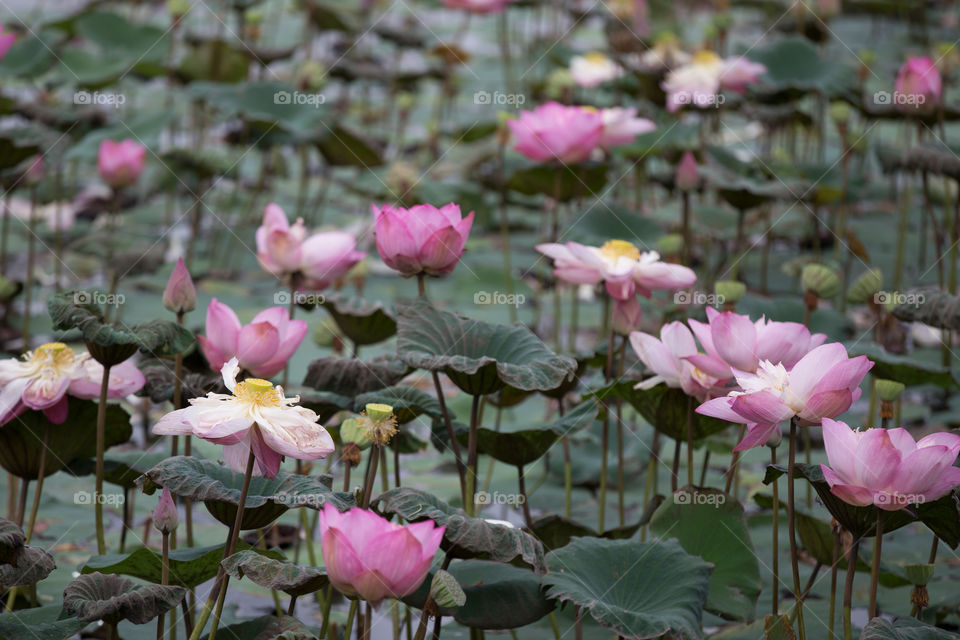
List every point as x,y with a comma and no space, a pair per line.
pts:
107,499
99,99
313,500
499,99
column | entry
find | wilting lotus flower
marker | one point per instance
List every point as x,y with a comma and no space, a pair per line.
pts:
688,174
255,416
554,132
7,39
318,260
738,72
593,69
180,296
918,84
738,342
622,126
670,359
823,384
478,6
371,558
886,467
421,239
262,347
120,163
44,378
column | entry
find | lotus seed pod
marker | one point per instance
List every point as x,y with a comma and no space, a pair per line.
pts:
446,592
356,431
863,288
559,81
889,390
670,244
919,574
178,8
325,334
821,280
729,291
839,111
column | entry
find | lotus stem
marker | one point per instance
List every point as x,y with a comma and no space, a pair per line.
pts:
101,445
421,286
371,475
351,614
38,490
454,443
689,441
164,575
469,504
523,494
852,554
776,537
619,414
833,580
422,627
734,462
875,568
675,468
791,525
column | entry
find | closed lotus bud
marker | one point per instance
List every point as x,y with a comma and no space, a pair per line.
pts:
889,390
445,591
355,431
919,574
688,173
627,315
670,244
180,296
165,517
729,291
865,287
821,280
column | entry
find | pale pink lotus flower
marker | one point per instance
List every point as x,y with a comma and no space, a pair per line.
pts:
121,163
918,85
180,296
623,269
593,69
317,261
369,557
478,6
7,38
422,239
670,360
44,377
688,173
262,347
626,315
823,384
256,415
738,342
557,133
738,72
622,126
886,467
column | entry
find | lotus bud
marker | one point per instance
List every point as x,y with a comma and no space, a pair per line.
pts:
729,291
627,315
165,517
180,296
688,174
670,244
325,334
445,591
821,280
355,431
865,287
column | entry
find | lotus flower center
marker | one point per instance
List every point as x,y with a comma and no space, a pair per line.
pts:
706,58
595,57
615,249
52,354
258,392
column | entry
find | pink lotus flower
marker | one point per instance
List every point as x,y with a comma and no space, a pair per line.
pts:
371,558
318,260
555,132
670,360
478,6
121,163
623,269
740,343
823,384
688,173
622,126
7,38
256,416
698,82
918,84
421,239
738,72
262,347
886,467
180,296
43,379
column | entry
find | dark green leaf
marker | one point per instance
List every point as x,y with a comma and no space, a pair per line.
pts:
42,623
342,147
97,596
904,369
275,573
350,377
903,629
667,409
560,182
11,540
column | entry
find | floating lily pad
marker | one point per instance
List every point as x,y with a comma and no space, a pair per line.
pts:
361,321
98,596
735,583
465,536
639,590
498,596
479,357
275,573
189,567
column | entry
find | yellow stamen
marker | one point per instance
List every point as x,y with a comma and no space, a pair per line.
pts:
258,385
52,346
616,249
595,57
706,58
257,391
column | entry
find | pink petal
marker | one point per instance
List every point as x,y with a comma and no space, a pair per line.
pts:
828,404
735,337
840,442
258,341
223,329
877,460
756,436
721,408
762,407
810,369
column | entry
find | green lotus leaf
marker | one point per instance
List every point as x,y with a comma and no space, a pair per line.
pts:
361,321
29,566
98,596
276,573
41,623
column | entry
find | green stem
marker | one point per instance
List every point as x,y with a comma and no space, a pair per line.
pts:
848,589
469,504
101,444
791,526
38,490
690,441
776,537
833,581
164,575
875,568
371,476
354,605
